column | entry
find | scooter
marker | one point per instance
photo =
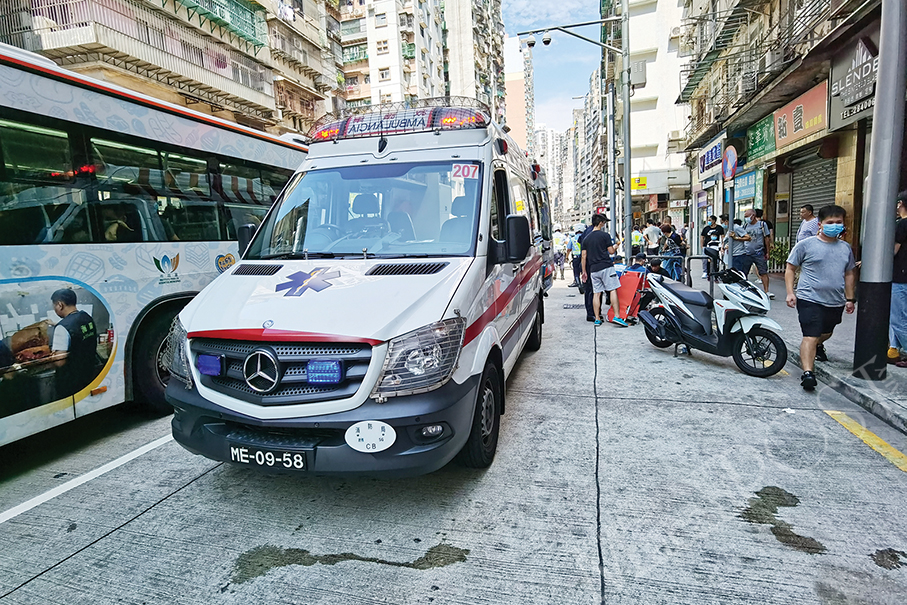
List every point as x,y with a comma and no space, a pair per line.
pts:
736,327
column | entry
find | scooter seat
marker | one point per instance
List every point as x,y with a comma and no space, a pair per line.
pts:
689,295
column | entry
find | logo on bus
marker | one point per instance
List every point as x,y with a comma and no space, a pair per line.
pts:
167,266
301,281
224,262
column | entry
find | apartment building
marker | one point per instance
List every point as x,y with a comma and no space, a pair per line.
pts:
548,149
658,179
519,114
475,52
392,51
568,211
260,64
790,85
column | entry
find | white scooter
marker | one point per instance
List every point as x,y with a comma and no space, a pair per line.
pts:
736,327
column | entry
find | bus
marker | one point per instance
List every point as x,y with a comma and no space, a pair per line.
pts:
115,210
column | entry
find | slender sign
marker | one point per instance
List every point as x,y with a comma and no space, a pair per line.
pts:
869,359
628,199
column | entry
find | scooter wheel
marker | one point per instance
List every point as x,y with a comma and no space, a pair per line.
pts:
763,354
661,317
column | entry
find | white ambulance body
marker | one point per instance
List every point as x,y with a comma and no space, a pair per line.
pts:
377,312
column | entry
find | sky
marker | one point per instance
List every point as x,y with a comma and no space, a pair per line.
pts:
562,69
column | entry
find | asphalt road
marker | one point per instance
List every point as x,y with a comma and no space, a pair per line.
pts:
623,475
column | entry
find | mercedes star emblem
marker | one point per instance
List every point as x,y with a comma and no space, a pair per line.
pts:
261,371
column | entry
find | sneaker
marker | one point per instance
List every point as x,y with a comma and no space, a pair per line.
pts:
573,285
821,355
771,295
808,381
620,322
590,318
598,322
705,276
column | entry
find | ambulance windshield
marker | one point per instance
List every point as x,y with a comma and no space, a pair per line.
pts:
391,210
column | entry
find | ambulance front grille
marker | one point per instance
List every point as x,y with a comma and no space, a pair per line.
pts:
293,387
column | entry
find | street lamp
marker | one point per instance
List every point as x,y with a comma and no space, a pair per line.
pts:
625,52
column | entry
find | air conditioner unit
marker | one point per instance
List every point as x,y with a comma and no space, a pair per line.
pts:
674,135
675,32
773,61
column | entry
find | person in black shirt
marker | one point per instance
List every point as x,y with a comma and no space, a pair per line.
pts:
655,268
598,268
76,335
711,237
897,320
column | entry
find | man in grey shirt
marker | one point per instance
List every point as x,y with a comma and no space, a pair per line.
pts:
758,240
825,290
809,226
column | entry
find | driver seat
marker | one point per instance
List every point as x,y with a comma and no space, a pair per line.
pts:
689,295
457,229
368,208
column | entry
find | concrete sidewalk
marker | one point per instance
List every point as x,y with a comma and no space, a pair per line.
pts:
886,399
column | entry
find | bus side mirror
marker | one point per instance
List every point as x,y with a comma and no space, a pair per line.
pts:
519,238
244,237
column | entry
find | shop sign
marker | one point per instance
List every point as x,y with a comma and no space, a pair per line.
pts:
678,204
853,80
760,138
745,186
653,202
638,183
702,199
710,157
760,178
802,117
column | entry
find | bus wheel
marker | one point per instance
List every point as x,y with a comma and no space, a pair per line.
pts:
149,378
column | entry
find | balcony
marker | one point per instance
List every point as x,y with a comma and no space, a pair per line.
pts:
353,30
351,8
293,102
354,54
137,39
240,17
290,48
409,51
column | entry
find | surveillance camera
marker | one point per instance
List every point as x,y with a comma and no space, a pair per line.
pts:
546,39
530,41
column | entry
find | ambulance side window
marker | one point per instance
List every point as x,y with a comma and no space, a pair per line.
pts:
498,203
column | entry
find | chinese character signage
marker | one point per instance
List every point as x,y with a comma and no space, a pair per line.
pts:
653,202
745,186
638,183
760,138
853,80
802,117
710,158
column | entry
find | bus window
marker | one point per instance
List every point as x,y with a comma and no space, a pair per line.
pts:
37,185
129,179
243,185
186,176
272,183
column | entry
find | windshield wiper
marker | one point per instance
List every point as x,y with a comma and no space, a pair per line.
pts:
295,255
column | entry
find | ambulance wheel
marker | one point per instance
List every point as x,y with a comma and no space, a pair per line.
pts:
149,378
480,447
535,336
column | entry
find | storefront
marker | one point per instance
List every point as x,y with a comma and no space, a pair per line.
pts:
709,199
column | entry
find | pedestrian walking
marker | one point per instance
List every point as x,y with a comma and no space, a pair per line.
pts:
809,224
758,245
897,320
652,236
585,288
736,241
711,237
598,269
559,241
573,256
825,290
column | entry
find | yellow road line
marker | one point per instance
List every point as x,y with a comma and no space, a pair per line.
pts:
871,439
784,373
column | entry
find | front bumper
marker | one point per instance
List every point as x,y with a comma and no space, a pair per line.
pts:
207,429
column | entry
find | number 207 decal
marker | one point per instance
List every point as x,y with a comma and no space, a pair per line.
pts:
466,171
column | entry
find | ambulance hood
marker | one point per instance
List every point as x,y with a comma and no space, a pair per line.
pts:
375,299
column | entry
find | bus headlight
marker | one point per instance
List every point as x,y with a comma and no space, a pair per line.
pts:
175,353
422,360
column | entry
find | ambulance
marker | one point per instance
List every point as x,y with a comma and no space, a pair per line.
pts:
380,306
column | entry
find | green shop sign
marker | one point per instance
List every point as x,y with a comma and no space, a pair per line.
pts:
760,138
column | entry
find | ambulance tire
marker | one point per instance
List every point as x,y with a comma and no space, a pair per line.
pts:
534,343
149,379
480,447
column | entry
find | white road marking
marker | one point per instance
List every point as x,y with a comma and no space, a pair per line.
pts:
74,483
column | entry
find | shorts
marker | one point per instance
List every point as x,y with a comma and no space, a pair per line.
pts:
605,280
745,261
816,319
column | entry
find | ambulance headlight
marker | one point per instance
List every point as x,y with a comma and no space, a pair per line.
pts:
422,360
175,353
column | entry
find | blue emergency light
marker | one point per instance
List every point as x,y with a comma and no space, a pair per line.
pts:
324,371
210,365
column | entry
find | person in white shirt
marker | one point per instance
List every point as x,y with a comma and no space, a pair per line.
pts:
809,227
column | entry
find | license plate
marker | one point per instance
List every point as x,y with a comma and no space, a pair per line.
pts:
267,458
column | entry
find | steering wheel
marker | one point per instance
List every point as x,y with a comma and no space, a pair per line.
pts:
336,232
377,230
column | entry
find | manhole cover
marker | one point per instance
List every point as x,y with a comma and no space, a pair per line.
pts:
583,306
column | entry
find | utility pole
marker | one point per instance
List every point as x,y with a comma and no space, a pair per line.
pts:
628,200
612,162
873,310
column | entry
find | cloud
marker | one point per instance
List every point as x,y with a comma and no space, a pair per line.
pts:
528,14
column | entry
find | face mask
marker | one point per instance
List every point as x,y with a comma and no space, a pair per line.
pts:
833,230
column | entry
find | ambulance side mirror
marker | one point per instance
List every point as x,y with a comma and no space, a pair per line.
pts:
519,238
244,237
